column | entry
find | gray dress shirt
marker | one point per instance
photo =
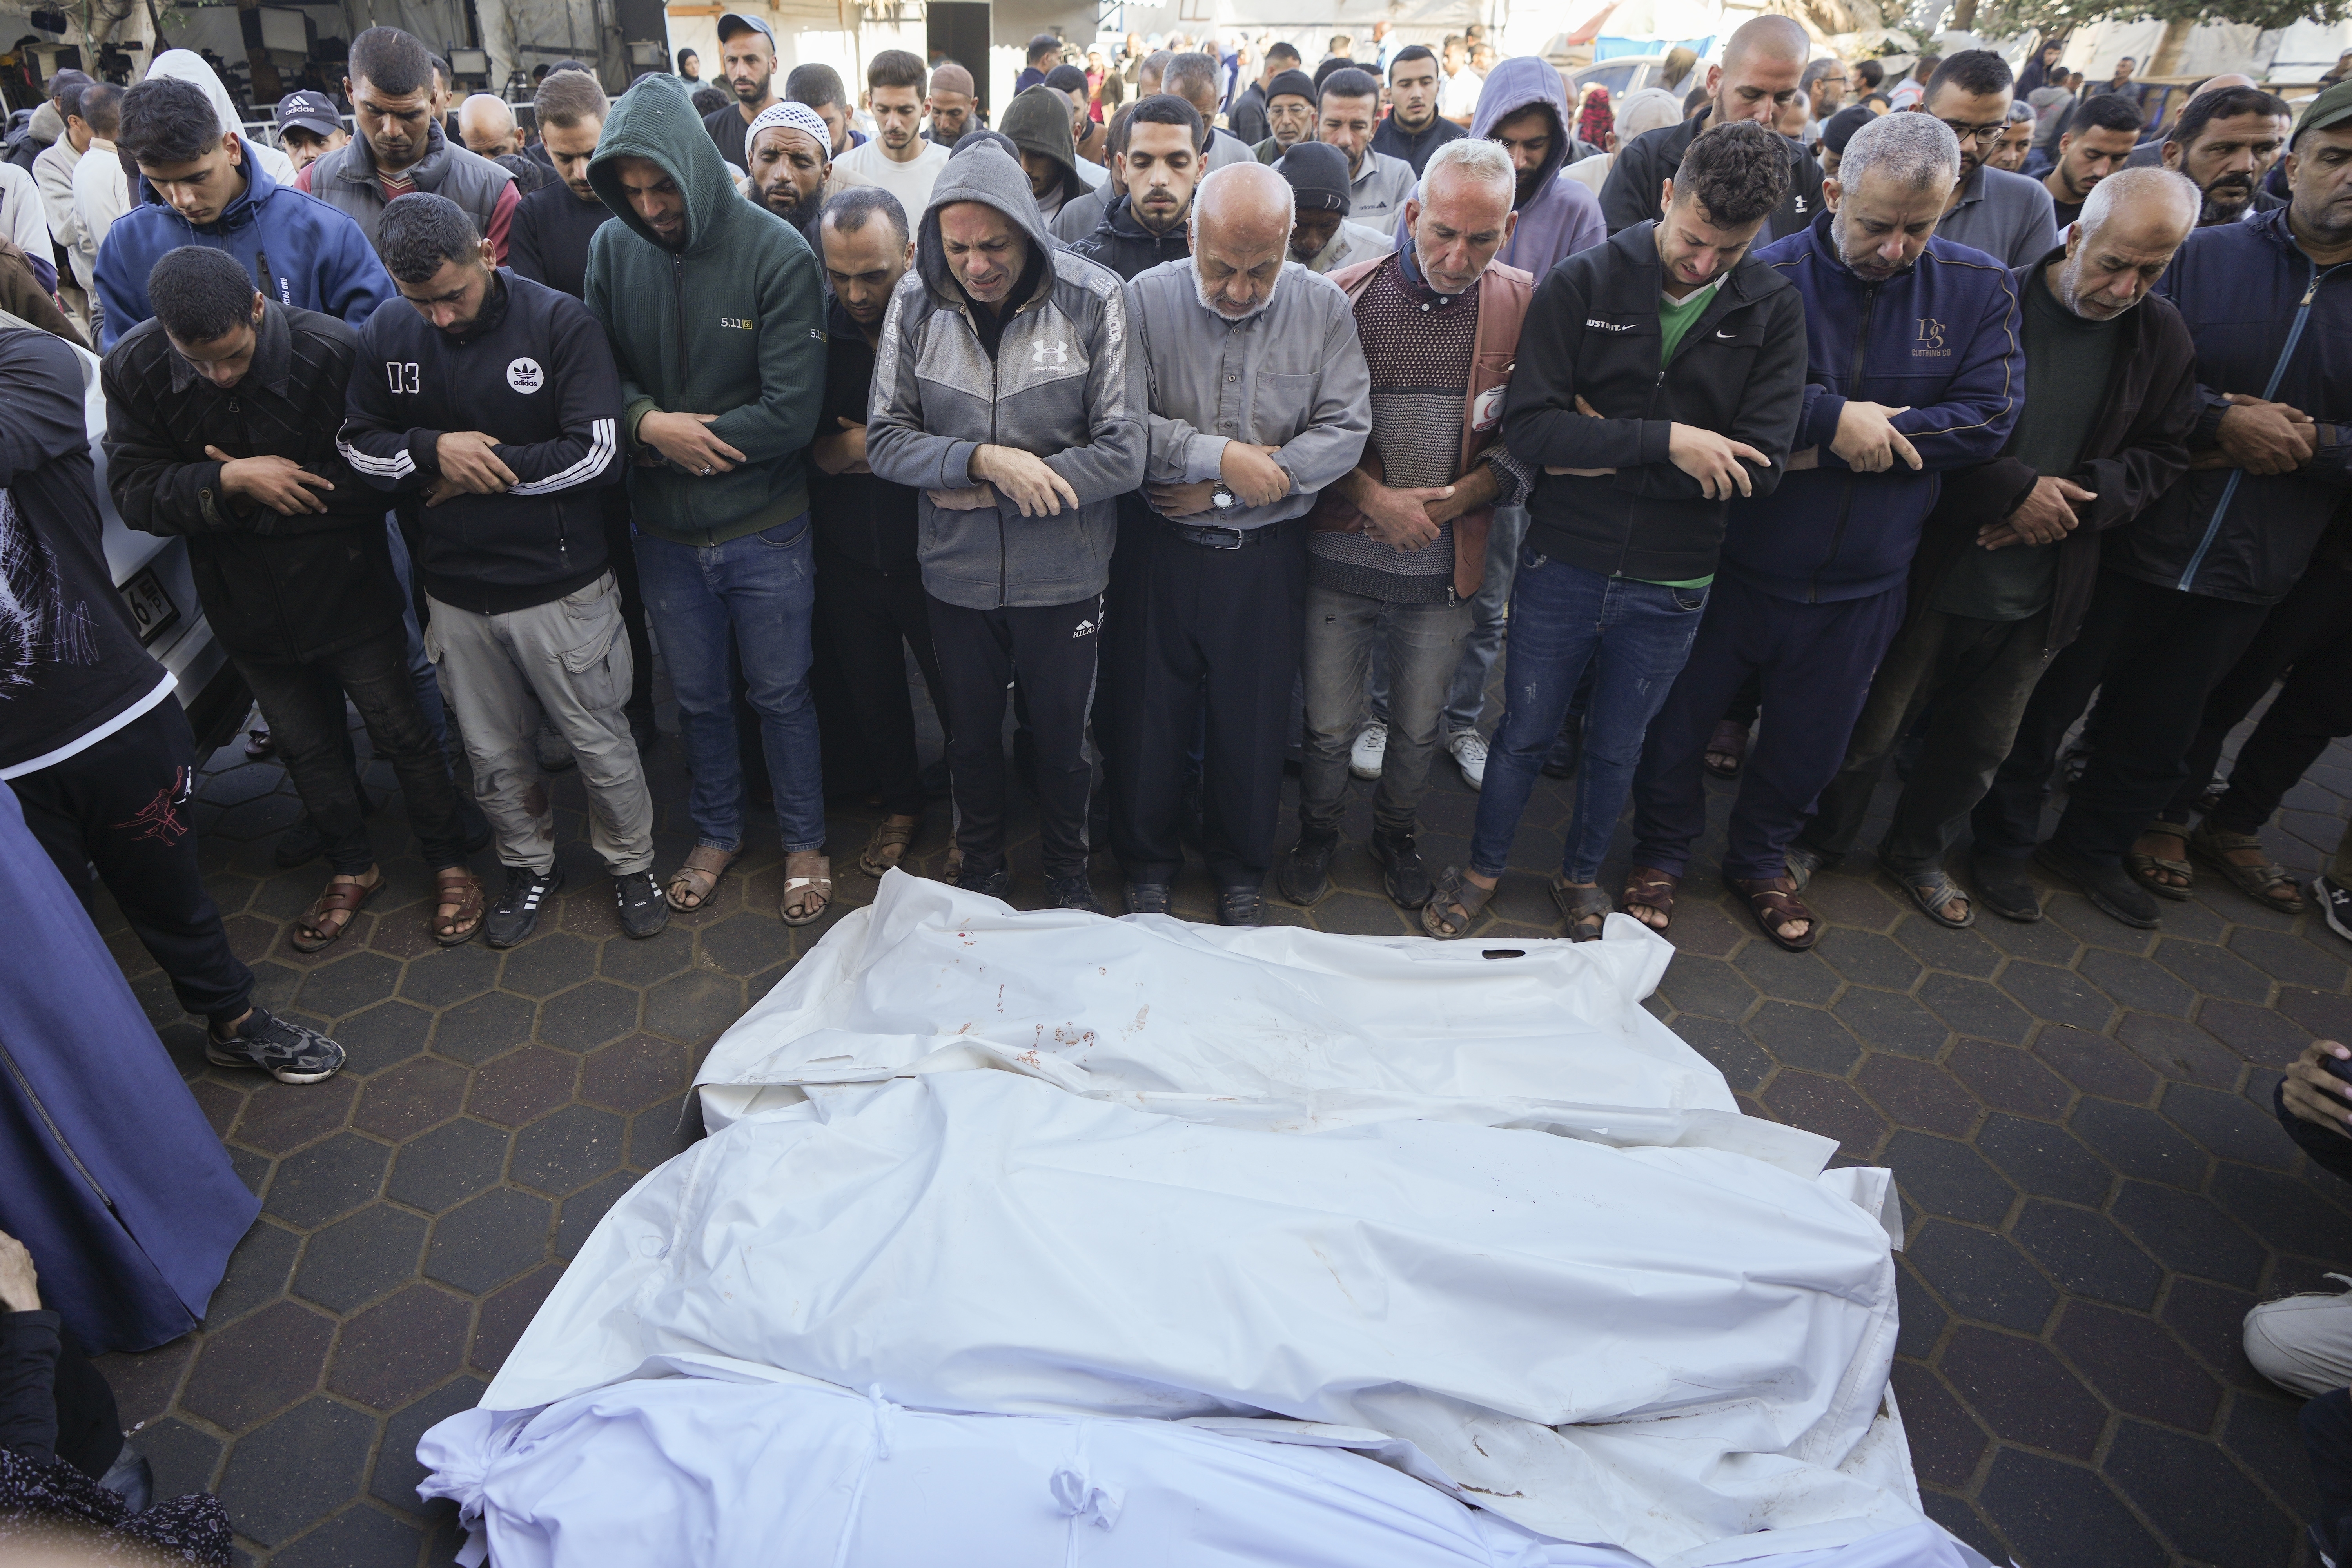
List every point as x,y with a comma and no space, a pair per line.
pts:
1291,376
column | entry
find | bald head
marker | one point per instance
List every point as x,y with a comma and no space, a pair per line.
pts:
1768,38
2132,223
487,125
1241,232
2216,83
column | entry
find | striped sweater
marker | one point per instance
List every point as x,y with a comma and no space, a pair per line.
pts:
535,374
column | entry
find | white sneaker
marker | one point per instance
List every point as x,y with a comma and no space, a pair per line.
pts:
1469,749
1364,756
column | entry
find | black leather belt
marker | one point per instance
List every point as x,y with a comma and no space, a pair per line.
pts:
1220,538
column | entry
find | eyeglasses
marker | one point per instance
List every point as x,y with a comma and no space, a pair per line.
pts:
1987,132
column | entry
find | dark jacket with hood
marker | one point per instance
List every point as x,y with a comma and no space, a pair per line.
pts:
1127,248
1061,382
2271,323
1646,163
1942,341
1038,121
297,251
2136,448
276,588
1593,332
1557,218
731,323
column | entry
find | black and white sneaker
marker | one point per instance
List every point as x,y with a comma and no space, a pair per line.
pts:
645,910
286,1050
516,914
2335,900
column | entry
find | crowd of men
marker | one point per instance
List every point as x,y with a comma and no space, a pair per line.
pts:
1216,452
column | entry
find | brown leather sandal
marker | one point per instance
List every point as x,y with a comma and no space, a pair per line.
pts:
345,896
1774,903
887,846
1586,909
456,886
2261,883
690,885
1455,906
2143,868
807,898
1647,887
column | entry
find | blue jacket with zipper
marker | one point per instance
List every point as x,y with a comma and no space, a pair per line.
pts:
298,251
1941,341
2268,323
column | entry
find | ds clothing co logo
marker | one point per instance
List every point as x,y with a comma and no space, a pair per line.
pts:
524,376
1054,354
1931,339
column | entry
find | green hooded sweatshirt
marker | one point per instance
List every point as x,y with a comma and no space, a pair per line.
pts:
731,322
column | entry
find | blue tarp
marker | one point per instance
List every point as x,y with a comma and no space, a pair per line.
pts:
1608,48
108,1173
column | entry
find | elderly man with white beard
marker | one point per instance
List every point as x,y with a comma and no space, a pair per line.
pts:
1259,397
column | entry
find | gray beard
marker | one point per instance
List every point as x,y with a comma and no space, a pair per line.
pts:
1201,292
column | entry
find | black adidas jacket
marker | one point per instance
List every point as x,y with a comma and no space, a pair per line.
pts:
276,588
535,374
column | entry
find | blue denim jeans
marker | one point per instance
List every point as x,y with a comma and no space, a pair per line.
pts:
1634,636
757,596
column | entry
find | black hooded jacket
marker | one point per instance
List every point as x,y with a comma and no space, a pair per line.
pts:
1126,246
1647,161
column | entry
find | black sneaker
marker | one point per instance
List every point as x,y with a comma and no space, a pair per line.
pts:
988,884
644,911
2334,901
2110,888
2003,886
516,914
1305,876
1402,874
1075,891
288,1051
1146,897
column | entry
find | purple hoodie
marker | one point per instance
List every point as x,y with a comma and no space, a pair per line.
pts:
1562,217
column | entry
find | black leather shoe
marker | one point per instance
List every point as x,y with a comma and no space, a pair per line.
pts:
2003,888
1402,874
1075,891
1146,897
1305,876
2110,888
994,884
1241,907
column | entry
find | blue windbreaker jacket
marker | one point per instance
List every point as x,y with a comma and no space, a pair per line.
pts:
2268,323
1941,341
298,250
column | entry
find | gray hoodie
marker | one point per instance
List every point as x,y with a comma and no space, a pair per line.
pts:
1062,385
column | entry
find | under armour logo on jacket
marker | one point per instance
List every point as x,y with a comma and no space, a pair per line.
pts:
1055,354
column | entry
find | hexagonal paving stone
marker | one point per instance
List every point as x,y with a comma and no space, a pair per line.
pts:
659,1131
522,1086
1937,947
1948,1178
547,964
355,1261
2209,1319
2137,982
2290,960
2139,1367
381,1036
359,1537
348,985
2045,1160
258,1272
587,1016
631,1074
2263,1035
2209,1508
1914,1094
568,1150
487,1241
1706,986
1974,1008
487,1026
2288,1214
450,974
2009,1079
412,1097
259,1365
2138,1143
582,1210
746,944
505,1315
1827,1106
641,962
2213,971
315,1185
184,1459
1867,959
2087,1255
2229,1125
694,1008
1743,1063
443,1168
2022,1392
2180,1049
400,1347
280,1117
1892,1023
1807,1038
2265,1437
2189,1233
2055,1512
396,1471
2056,995
1946,1441
1788,976
1982,1275
299,1467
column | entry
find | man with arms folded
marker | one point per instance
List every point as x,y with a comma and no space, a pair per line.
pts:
1259,398
1659,376
1811,586
2008,560
896,159
1005,389
2184,591
717,319
1398,544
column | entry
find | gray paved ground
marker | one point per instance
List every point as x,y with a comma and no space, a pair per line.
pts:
2076,1112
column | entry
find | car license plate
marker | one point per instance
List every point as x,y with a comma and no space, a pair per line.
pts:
151,610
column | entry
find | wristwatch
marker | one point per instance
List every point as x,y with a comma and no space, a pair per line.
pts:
1224,500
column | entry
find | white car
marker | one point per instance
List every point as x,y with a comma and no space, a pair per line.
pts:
150,572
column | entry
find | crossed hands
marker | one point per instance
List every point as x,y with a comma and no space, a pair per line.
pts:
1718,462
2261,437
